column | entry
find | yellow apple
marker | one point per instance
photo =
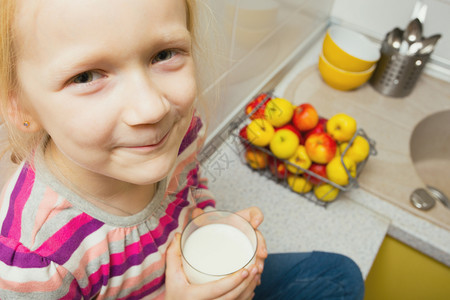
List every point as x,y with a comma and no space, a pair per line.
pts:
256,158
278,111
299,184
326,192
341,127
336,171
358,151
260,132
284,143
300,159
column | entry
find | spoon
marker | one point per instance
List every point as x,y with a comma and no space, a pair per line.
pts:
414,48
413,32
439,195
394,38
429,44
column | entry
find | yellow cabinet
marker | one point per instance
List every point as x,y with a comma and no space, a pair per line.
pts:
401,272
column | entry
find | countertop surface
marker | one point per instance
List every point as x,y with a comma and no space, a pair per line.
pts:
354,225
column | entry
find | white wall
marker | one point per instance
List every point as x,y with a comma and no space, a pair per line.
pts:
250,49
377,17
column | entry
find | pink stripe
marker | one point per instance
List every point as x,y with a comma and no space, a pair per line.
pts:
97,250
128,283
148,238
19,204
95,277
42,215
135,248
157,281
61,236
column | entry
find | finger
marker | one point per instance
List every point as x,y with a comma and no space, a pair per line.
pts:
252,214
245,289
196,212
261,251
174,267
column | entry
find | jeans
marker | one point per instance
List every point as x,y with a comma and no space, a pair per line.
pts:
312,275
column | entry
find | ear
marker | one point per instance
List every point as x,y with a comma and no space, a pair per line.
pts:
21,118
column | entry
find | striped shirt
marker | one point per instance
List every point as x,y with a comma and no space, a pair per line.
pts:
56,245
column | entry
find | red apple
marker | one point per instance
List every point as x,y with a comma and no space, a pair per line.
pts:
320,127
294,130
244,137
243,132
305,117
320,147
259,114
278,168
318,169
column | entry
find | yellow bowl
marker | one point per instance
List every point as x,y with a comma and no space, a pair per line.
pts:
349,50
341,79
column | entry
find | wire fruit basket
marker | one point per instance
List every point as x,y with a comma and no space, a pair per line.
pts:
303,181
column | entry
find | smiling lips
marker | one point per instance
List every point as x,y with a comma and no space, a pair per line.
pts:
150,146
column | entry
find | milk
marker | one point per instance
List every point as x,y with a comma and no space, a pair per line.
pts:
216,250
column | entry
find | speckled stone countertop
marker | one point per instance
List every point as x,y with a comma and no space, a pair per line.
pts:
354,225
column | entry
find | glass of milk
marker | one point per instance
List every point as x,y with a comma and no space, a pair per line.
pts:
216,244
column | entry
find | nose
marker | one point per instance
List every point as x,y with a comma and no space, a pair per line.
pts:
145,101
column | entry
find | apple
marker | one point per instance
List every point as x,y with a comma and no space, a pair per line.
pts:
341,127
260,132
326,192
256,158
320,127
251,106
305,117
320,147
243,132
299,159
299,184
336,171
284,143
358,150
278,168
244,138
318,169
278,111
294,130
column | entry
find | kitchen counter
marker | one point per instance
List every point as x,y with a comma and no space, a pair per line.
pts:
354,225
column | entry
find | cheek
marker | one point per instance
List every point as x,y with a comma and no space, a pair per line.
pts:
180,88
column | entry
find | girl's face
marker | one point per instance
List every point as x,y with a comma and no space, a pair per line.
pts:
111,81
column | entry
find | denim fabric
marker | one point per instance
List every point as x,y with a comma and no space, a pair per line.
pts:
312,275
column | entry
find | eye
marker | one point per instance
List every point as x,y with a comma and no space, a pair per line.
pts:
86,77
163,55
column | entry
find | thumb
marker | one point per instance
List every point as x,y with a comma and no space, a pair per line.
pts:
173,257
196,212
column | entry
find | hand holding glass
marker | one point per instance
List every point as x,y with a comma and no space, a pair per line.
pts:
216,244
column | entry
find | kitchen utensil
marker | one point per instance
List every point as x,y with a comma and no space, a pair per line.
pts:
341,79
394,38
419,11
413,31
429,44
414,48
349,50
439,195
422,200
404,46
396,73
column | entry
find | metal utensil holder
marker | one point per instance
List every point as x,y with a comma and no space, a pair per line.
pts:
396,74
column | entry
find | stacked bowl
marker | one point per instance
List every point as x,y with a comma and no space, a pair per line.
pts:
348,58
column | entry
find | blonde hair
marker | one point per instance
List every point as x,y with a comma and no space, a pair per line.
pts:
22,144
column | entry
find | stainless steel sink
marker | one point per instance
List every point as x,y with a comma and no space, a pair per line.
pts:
430,150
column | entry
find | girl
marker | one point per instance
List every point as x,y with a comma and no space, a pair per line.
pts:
98,99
